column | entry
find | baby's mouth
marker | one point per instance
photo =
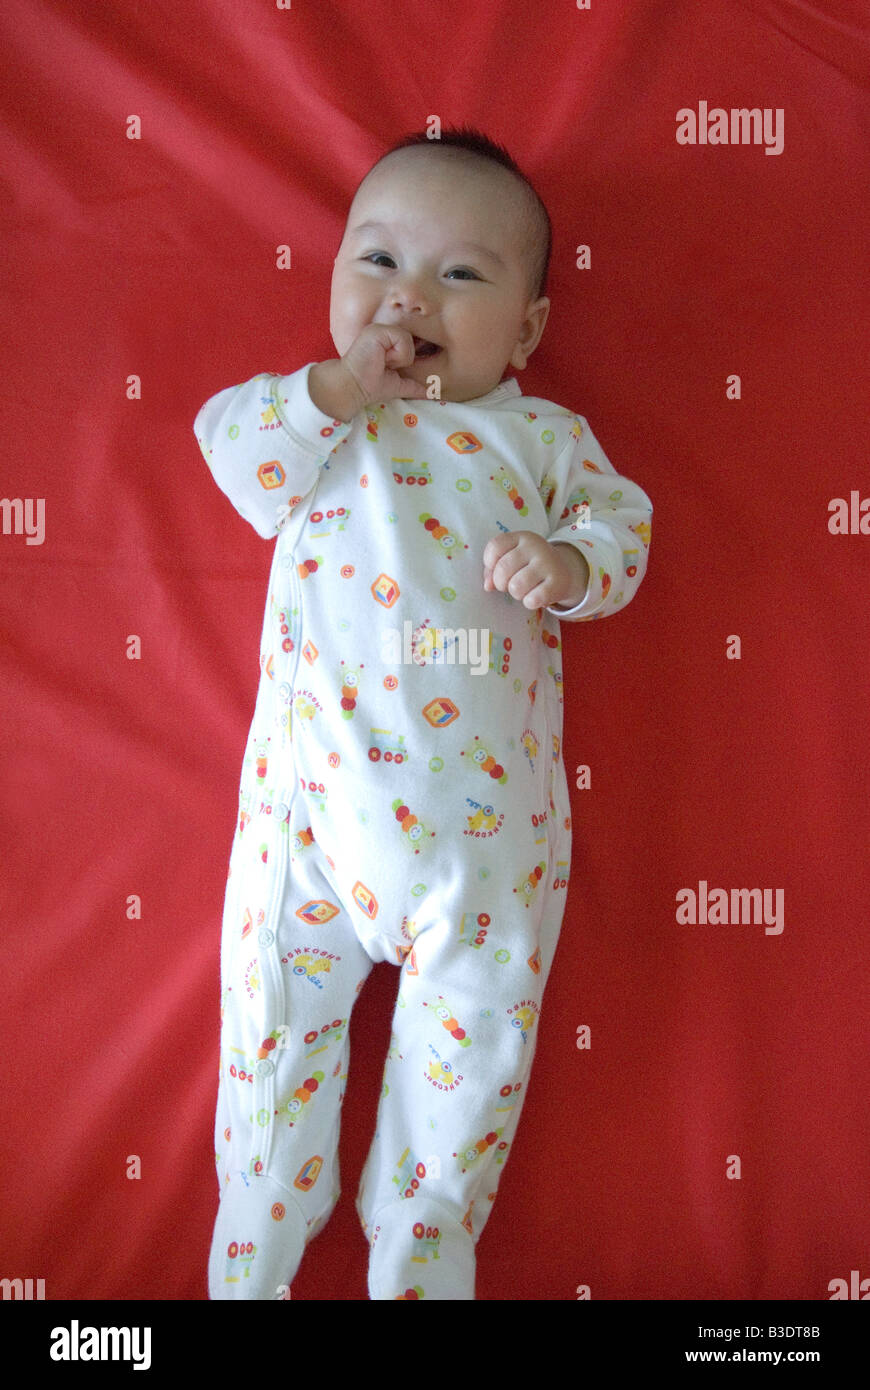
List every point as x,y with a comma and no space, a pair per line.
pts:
423,348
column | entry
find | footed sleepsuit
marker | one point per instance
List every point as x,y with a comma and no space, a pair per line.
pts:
403,798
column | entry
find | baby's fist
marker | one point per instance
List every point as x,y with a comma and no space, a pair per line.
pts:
374,359
535,572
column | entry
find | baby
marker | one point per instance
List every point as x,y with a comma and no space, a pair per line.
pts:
403,796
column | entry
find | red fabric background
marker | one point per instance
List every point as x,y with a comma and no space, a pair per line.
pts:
156,257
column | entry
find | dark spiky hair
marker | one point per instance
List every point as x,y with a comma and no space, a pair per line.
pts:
536,228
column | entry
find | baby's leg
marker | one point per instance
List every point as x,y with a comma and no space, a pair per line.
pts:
292,968
465,1028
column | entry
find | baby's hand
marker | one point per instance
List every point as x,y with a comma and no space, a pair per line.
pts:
536,573
373,357
367,372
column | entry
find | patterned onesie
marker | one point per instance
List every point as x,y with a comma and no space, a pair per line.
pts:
403,798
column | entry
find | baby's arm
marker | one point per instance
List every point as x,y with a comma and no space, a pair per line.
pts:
265,443
612,532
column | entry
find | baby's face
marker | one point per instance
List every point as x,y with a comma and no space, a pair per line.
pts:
443,259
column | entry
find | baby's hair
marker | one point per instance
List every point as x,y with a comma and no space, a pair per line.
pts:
537,230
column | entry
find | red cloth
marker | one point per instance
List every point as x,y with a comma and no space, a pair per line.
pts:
156,258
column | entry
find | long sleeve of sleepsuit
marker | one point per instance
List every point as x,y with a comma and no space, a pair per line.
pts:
606,516
265,443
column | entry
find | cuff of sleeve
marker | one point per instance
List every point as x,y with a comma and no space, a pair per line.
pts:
594,599
302,419
576,611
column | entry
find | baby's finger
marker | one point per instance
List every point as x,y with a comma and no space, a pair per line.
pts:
401,352
497,546
516,576
535,597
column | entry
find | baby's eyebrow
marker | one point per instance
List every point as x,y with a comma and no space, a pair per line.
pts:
463,246
482,251
369,227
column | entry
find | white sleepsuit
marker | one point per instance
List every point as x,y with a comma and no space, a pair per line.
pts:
403,798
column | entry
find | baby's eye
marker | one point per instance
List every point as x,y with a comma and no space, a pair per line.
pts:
464,271
375,256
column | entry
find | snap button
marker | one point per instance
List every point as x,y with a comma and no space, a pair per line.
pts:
264,1067
265,936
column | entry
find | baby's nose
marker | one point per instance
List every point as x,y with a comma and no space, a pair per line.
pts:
410,294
